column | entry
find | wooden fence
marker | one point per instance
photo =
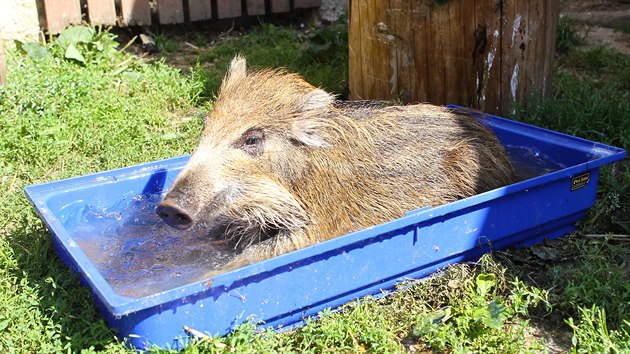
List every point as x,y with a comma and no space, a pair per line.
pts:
57,14
486,54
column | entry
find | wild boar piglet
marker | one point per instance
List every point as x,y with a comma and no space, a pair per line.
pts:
282,164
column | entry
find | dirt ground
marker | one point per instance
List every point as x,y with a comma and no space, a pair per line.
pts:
599,21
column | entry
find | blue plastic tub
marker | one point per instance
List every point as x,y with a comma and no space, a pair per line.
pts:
559,185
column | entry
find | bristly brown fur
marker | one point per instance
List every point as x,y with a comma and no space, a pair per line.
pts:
326,167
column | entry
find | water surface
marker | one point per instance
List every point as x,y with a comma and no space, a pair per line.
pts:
139,255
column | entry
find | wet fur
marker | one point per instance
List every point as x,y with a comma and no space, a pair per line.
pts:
328,167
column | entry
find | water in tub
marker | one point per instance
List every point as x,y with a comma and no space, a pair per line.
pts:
139,255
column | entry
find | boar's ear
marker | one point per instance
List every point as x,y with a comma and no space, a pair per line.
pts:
307,129
307,132
315,100
237,71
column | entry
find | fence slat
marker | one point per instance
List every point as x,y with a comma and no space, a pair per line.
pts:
491,90
255,7
101,12
452,65
468,46
170,11
228,8
401,25
420,11
136,12
280,6
304,4
61,13
199,10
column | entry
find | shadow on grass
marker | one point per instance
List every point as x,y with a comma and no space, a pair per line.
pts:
60,309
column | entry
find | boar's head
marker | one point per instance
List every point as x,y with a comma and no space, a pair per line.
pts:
254,147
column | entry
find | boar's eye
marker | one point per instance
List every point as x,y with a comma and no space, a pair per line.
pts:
251,142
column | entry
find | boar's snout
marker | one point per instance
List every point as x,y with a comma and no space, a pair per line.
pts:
174,215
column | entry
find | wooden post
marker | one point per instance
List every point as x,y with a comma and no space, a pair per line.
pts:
101,12
255,7
484,54
228,8
199,10
305,4
61,13
135,12
170,11
280,6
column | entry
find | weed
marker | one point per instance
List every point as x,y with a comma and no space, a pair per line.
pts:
591,334
200,40
617,25
568,37
76,43
622,27
166,44
585,108
597,277
483,316
612,209
358,328
597,60
324,44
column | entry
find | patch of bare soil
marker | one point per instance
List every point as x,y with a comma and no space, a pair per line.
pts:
599,19
556,340
533,265
596,36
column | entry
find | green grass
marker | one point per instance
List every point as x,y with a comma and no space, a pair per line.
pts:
164,43
270,46
597,277
468,307
601,65
60,117
63,115
593,336
568,37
